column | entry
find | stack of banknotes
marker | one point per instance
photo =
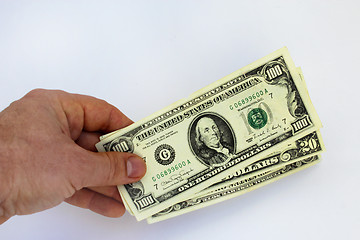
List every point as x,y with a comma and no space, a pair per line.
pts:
244,131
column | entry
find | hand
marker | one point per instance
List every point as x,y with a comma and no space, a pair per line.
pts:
47,155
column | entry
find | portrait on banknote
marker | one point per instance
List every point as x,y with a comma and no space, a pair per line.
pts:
136,190
211,139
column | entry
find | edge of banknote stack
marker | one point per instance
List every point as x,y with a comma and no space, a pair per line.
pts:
244,131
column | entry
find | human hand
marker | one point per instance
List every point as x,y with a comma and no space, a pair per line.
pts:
48,155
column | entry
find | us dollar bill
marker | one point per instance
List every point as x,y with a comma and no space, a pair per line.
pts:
302,150
298,69
305,147
243,186
227,125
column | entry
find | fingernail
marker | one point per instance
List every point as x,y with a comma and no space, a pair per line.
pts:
135,167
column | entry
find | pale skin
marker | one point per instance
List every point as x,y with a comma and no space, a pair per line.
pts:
48,155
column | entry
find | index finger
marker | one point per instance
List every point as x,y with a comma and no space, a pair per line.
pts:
99,115
86,113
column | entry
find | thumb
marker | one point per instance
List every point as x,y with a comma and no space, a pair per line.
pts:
111,168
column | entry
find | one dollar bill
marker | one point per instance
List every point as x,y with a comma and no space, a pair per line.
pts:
227,125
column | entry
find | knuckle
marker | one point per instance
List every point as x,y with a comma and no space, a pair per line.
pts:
36,92
40,92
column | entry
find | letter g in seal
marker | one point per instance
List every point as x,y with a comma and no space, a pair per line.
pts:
164,154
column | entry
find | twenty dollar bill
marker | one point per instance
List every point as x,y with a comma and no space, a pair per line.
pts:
243,186
302,151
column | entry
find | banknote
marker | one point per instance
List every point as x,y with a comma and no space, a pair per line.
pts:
298,69
227,125
305,147
300,151
230,191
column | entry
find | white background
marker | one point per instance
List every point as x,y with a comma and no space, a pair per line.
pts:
143,55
